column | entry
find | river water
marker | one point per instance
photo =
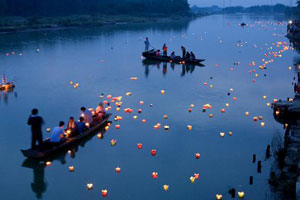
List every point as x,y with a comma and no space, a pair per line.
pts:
102,60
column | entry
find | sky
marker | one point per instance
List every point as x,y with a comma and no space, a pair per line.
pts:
203,3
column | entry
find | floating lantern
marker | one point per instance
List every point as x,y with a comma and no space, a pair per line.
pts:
196,176
230,133
153,152
106,128
211,86
48,130
275,100
192,179
255,119
89,186
218,196
262,124
222,110
192,105
166,187
71,168
247,113
210,115
100,135
117,109
231,89
241,195
290,68
234,98
189,127
104,192
222,134
113,142
155,127
162,92
71,82
165,116
268,104
135,117
128,93
166,127
158,125
264,97
154,175
277,112
144,121
117,126
197,155
142,102
227,104
134,78
190,110
117,118
108,96
260,117
139,145
139,110
118,169
48,163
205,83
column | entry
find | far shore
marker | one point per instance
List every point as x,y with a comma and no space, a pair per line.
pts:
22,24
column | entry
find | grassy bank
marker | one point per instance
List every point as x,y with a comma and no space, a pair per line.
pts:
14,24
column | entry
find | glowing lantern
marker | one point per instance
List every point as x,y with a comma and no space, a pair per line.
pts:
139,145
118,169
231,89
100,135
268,104
247,113
141,102
144,121
128,93
227,104
190,110
277,112
222,110
211,86
89,186
135,117
104,193
106,128
165,116
113,142
48,163
71,82
210,115
197,155
205,83
275,100
230,133
117,126
71,168
158,125
154,175
166,187
192,179
139,110
260,117
262,124
196,176
153,152
218,196
118,109
192,105
162,92
166,127
134,78
222,134
189,127
241,194
264,97
48,130
155,127
108,96
255,119
234,98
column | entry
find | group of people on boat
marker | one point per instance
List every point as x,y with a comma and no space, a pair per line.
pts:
190,56
293,28
59,133
4,85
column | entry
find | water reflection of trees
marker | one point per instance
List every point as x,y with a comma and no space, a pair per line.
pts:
186,68
39,185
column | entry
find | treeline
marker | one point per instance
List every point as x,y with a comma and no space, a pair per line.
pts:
27,8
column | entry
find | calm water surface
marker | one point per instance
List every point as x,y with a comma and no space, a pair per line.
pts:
101,60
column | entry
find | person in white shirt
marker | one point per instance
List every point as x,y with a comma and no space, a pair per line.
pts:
58,135
87,115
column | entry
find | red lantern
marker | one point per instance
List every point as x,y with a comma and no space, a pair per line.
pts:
222,110
255,119
196,176
118,169
190,110
104,193
144,121
197,155
117,126
154,175
139,110
139,145
153,152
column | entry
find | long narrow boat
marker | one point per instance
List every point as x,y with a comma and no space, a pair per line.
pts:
151,55
41,154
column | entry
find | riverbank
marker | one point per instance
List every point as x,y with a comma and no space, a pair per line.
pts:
16,24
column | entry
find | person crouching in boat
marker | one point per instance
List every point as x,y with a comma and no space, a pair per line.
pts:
72,127
87,115
58,134
81,125
36,123
157,53
99,112
173,56
165,50
147,44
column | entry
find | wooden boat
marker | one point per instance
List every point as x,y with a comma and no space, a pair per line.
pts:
41,154
178,60
7,86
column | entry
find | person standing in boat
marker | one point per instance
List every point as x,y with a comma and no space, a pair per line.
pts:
87,115
188,56
147,44
183,50
173,56
165,50
58,134
36,123
193,57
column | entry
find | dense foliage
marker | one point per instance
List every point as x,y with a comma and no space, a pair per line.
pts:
73,7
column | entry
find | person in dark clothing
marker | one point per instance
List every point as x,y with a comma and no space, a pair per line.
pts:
183,52
188,56
193,57
36,123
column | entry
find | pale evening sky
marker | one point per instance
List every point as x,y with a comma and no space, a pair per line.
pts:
203,3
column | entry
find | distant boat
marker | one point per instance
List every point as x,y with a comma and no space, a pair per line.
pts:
45,153
178,60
